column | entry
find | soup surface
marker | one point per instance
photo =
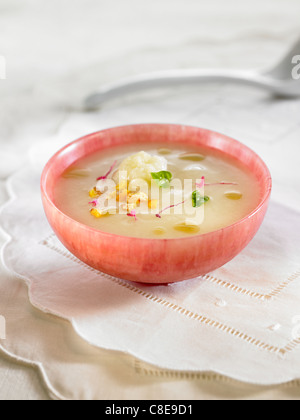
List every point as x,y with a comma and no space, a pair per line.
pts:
157,192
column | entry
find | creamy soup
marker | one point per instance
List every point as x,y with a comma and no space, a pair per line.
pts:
157,192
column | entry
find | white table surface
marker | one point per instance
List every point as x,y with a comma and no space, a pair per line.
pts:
54,50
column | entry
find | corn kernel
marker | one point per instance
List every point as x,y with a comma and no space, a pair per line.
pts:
94,193
96,213
122,186
152,204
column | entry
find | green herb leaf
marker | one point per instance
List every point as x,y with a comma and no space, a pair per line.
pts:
198,199
162,178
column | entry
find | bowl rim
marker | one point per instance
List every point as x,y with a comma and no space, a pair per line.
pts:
261,204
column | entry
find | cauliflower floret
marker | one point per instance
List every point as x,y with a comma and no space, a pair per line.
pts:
140,166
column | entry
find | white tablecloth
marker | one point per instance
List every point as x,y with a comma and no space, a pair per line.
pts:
57,52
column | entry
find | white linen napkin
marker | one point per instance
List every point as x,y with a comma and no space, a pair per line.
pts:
239,321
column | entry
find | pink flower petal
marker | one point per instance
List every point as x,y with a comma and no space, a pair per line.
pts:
108,173
221,183
94,203
201,184
167,208
132,214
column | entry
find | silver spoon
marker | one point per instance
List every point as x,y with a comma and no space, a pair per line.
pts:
282,80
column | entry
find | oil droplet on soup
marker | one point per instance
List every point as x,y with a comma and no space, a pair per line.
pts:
193,157
159,231
77,173
164,151
184,228
234,195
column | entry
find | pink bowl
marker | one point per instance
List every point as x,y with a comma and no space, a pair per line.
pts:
153,260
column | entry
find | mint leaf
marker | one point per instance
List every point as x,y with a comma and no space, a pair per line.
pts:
198,199
162,178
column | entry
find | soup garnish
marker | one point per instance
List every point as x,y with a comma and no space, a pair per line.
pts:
157,192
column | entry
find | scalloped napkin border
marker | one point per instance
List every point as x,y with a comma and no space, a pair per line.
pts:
156,383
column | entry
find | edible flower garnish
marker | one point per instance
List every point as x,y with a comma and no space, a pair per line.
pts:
94,203
132,214
108,173
199,185
167,208
162,178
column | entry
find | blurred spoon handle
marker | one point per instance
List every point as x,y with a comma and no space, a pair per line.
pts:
174,78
